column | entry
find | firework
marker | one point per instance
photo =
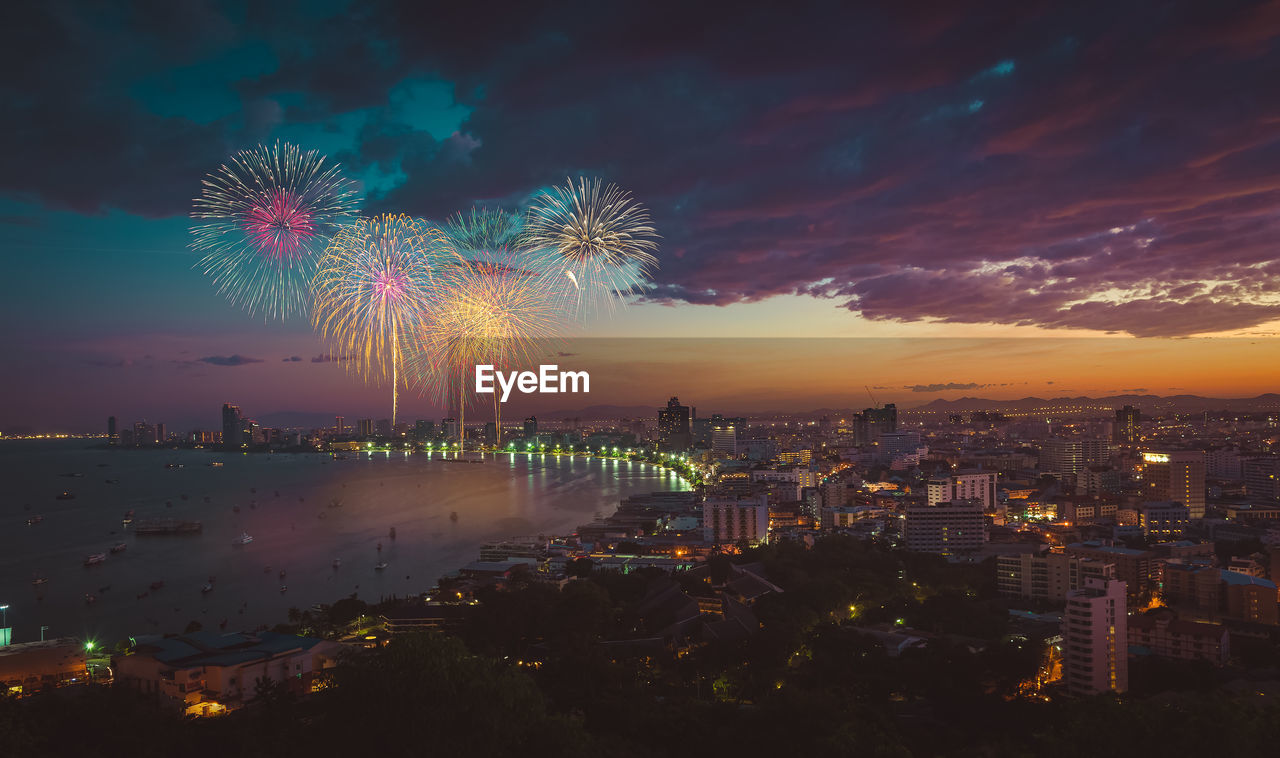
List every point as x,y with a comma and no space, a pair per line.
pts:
595,241
268,215
484,231
374,283
488,309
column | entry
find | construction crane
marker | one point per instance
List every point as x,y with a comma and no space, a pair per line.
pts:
874,404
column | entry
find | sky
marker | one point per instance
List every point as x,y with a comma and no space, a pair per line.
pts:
936,175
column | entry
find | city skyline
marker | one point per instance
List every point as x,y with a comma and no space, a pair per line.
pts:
973,180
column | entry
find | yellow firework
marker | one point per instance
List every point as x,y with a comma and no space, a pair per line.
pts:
488,309
375,282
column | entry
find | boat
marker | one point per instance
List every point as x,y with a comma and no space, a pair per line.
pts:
89,598
380,567
96,558
34,520
39,581
119,547
126,521
157,584
206,589
243,539
283,589
215,464
337,562
173,465
167,526
65,495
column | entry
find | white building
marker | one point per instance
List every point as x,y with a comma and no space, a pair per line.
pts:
966,485
1047,577
724,441
730,520
1095,638
946,528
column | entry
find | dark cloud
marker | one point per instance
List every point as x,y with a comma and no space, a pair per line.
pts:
329,358
229,360
946,387
1068,166
292,359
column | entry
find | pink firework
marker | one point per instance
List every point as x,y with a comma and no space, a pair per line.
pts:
281,226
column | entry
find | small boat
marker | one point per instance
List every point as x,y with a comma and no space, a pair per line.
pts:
380,567
90,598
337,562
453,516
173,465
126,521
243,539
283,589
96,558
119,547
65,495
206,589
215,464
34,520
157,585
39,581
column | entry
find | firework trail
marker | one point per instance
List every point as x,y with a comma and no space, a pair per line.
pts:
596,242
267,216
373,285
488,309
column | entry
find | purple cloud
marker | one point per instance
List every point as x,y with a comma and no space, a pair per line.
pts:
229,360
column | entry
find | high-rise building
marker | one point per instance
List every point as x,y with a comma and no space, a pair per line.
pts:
339,425
531,427
1127,427
490,433
874,422
384,427
965,485
1061,456
726,521
1176,475
450,426
231,418
724,440
675,426
1163,520
1047,577
946,528
364,427
1095,638
111,429
1262,478
143,433
424,431
1095,452
162,434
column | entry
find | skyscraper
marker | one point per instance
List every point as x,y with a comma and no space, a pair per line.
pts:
339,423
1095,634
876,421
1176,475
111,429
1127,426
1262,478
364,427
674,426
724,440
162,434
231,426
531,427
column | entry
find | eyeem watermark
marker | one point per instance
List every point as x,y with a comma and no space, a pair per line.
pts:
548,379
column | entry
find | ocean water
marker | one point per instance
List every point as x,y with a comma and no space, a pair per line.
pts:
302,510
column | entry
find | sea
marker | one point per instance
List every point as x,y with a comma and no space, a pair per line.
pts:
303,511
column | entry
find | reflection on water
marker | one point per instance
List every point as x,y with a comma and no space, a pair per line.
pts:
304,513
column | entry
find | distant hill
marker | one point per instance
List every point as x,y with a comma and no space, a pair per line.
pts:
1182,403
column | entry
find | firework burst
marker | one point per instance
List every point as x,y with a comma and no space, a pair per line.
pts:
266,217
488,309
374,283
595,241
